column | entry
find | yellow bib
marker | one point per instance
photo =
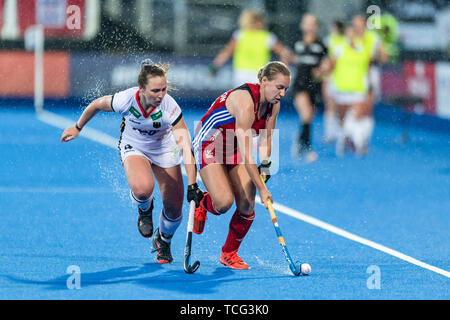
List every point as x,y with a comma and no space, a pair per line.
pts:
351,70
252,51
334,41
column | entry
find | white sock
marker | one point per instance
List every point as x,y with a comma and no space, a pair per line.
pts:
362,132
331,123
340,149
143,204
349,125
167,226
358,136
368,124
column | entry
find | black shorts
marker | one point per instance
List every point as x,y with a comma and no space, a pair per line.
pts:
312,88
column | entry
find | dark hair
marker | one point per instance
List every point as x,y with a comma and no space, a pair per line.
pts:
150,70
340,26
273,68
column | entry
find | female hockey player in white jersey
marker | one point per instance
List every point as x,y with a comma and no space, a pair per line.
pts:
154,138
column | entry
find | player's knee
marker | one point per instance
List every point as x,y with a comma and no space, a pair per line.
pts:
143,191
223,205
172,212
246,207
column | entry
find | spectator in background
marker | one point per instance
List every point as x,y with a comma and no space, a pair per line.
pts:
251,47
308,58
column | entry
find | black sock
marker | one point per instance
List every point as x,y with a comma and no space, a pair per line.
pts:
305,136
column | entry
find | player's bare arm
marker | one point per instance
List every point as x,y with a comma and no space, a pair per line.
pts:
183,140
265,140
225,54
100,104
241,107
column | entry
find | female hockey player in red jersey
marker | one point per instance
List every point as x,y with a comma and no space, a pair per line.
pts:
223,151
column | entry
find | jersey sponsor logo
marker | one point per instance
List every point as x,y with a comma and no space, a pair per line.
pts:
223,97
316,48
135,113
157,115
175,152
299,47
128,148
208,154
308,59
146,132
134,121
173,112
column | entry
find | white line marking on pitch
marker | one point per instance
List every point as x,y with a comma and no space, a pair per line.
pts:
62,123
100,137
326,226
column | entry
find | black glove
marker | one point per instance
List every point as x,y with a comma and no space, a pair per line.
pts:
264,170
213,70
194,193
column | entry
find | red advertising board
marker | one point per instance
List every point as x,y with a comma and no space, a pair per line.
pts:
420,81
392,82
17,74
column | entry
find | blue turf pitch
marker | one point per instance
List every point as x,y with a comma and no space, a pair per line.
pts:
67,205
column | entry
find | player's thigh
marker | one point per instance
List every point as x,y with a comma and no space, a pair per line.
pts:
360,109
330,106
342,111
302,100
171,187
217,182
369,103
243,188
303,104
139,175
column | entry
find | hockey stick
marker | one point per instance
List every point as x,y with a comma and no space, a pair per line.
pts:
188,268
295,268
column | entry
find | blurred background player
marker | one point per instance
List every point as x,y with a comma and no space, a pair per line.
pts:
309,53
251,47
350,62
223,150
331,117
364,119
153,133
388,33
